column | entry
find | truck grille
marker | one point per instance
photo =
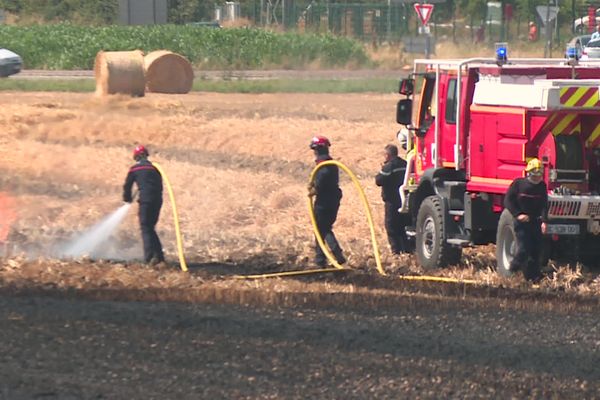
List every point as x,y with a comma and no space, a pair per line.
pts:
563,208
580,207
593,209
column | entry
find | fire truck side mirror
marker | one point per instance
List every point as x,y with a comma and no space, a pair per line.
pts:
404,112
407,86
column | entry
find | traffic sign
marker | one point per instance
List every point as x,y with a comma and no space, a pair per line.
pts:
549,12
424,12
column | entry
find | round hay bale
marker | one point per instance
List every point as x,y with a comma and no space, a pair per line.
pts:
168,72
120,72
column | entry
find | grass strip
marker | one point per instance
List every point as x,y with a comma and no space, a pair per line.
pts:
48,85
234,86
299,86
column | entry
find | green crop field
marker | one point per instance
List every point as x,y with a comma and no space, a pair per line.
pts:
66,46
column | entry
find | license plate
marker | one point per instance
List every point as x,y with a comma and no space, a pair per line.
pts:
562,229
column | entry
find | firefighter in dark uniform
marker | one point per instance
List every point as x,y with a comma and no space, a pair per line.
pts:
150,188
390,178
325,187
527,201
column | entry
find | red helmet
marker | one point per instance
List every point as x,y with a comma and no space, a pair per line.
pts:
139,151
319,141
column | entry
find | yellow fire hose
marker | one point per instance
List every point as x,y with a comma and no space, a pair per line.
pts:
331,258
290,273
371,228
326,251
361,193
182,263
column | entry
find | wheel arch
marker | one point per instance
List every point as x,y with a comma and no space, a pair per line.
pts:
432,183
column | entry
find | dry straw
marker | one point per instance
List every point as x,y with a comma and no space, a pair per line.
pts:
120,72
168,72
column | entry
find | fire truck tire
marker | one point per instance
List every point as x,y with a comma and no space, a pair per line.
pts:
431,247
506,244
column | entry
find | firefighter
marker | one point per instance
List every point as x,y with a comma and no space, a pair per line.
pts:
390,178
325,187
533,32
149,183
527,200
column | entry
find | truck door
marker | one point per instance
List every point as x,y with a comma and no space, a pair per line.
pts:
448,123
426,116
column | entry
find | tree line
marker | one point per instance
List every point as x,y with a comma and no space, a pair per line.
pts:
184,11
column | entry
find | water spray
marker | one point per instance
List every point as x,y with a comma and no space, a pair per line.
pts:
97,235
94,237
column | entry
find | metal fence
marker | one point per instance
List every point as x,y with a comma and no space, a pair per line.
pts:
364,21
390,20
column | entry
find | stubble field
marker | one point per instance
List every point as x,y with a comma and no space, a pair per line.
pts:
239,166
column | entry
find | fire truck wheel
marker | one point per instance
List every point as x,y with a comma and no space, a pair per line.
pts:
432,250
506,244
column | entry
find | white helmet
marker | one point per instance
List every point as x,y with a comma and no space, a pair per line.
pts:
403,137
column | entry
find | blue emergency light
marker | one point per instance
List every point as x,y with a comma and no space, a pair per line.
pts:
501,53
572,53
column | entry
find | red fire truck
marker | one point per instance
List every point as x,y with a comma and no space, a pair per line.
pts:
472,126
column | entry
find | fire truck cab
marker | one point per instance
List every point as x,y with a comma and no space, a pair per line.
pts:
472,125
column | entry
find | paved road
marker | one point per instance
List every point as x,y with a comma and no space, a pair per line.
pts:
217,75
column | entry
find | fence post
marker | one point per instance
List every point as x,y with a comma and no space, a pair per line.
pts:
572,16
453,25
471,28
405,28
389,20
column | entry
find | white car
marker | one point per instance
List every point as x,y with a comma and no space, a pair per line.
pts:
591,51
10,63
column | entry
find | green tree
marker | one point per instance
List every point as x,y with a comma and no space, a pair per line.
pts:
84,11
183,11
13,6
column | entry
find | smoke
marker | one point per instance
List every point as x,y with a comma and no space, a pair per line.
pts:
94,242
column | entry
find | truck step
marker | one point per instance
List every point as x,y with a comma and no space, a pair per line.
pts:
456,212
458,242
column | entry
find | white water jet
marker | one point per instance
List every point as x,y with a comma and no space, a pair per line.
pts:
94,237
